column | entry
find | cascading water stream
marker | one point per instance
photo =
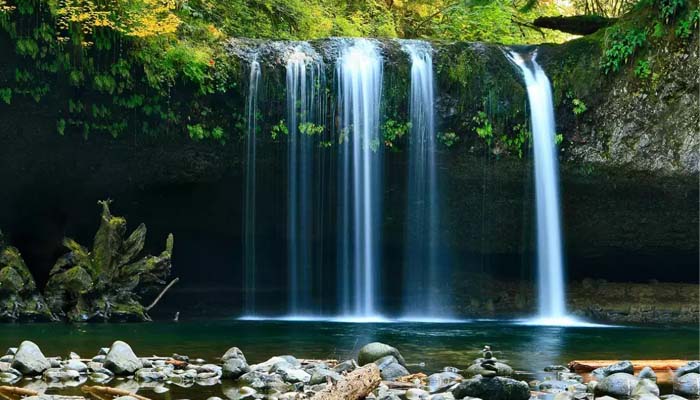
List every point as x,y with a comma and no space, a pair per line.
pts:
359,71
304,109
249,212
423,294
550,266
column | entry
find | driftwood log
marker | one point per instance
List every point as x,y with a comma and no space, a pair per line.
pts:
100,391
8,392
354,386
576,25
657,365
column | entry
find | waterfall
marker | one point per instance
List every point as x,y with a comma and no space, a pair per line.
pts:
249,212
304,109
359,71
424,289
550,269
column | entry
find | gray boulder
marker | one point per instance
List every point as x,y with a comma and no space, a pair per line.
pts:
647,373
233,368
620,367
61,375
233,352
646,387
345,366
692,366
29,359
121,359
619,384
672,397
477,369
442,381
687,385
322,375
498,388
76,365
372,352
390,368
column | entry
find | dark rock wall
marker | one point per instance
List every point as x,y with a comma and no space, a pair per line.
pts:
629,176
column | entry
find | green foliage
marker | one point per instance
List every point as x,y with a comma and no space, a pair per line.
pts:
310,129
200,132
279,129
558,139
448,139
642,70
669,8
393,131
6,95
483,128
579,107
620,46
688,25
516,143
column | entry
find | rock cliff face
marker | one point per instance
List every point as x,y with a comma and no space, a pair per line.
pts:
629,170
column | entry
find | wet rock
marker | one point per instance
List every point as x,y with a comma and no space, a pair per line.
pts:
687,385
672,397
647,373
345,366
74,356
390,368
60,375
416,394
103,351
478,369
619,384
29,359
263,381
564,396
646,387
294,375
374,351
498,388
233,368
125,398
11,351
99,358
556,368
233,352
121,359
692,366
54,361
7,358
76,365
150,375
620,367
442,381
322,375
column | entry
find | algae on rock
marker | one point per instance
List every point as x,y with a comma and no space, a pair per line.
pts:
107,282
19,298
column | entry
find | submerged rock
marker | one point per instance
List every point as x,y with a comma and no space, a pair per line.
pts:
498,388
121,359
372,352
29,359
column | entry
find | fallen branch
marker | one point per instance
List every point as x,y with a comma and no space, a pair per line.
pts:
7,392
98,391
657,365
162,292
354,386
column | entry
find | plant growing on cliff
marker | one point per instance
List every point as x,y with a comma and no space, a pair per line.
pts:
620,47
107,282
642,70
688,25
393,131
19,297
483,128
516,143
449,139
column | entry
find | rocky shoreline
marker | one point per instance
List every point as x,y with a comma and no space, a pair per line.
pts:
378,372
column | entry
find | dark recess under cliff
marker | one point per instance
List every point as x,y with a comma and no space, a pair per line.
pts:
621,223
